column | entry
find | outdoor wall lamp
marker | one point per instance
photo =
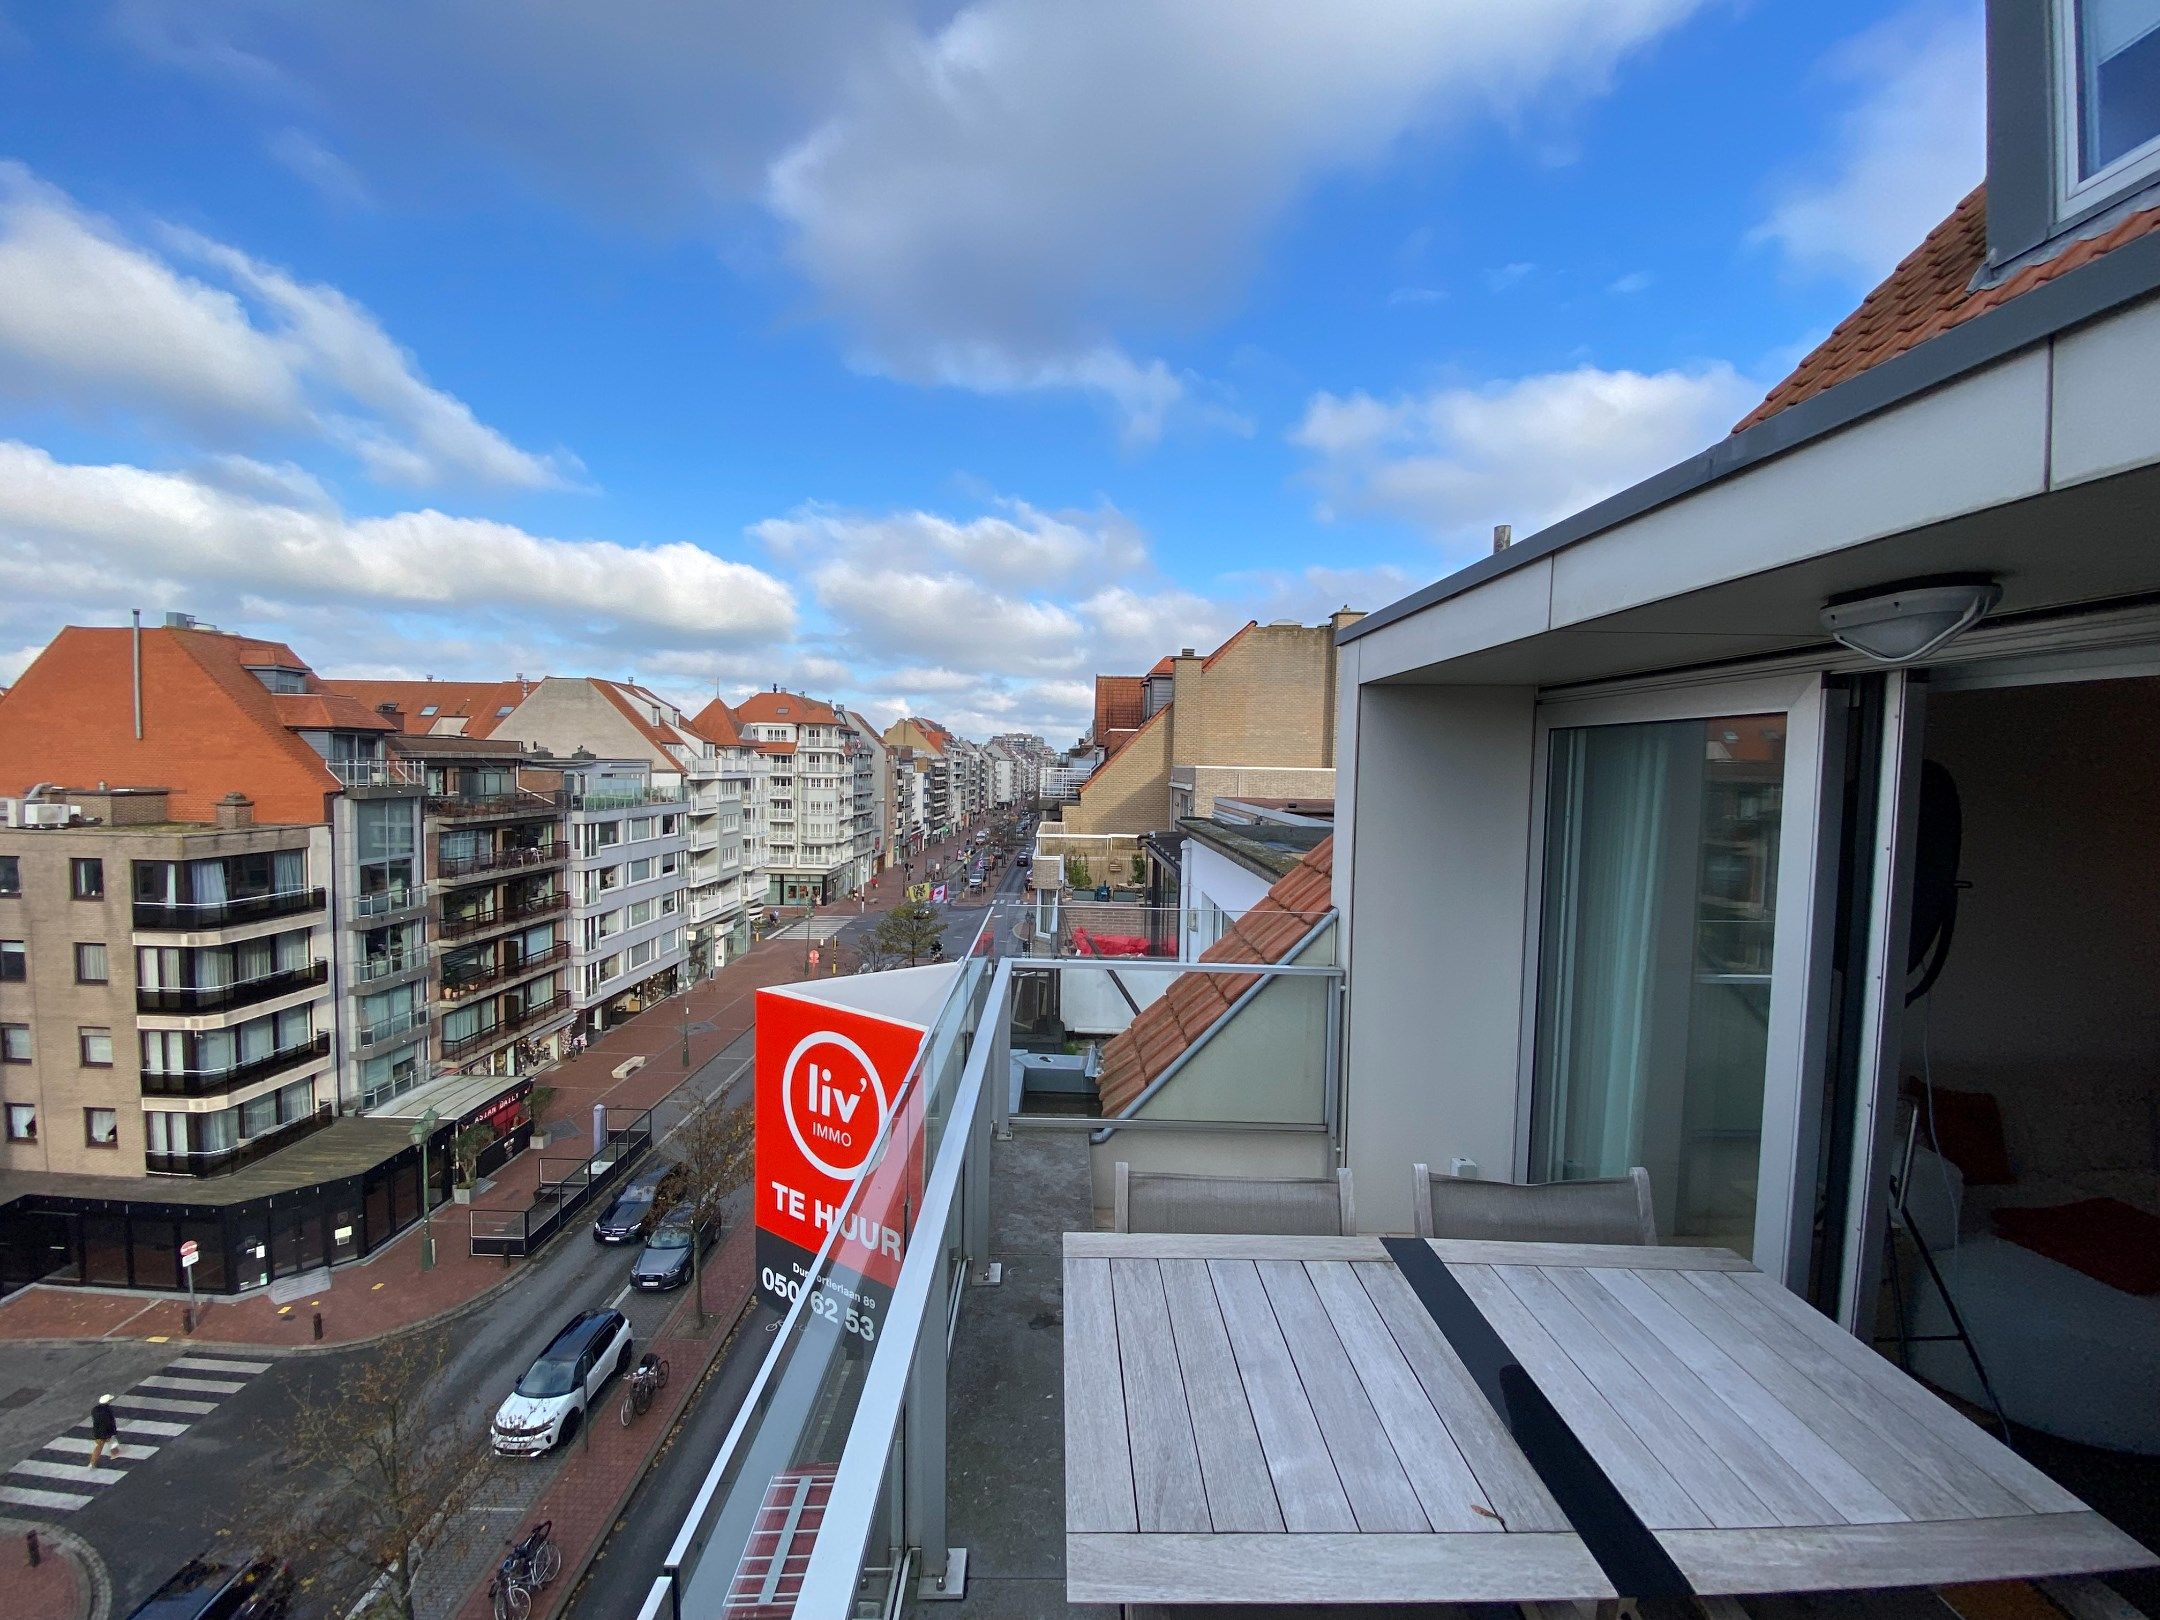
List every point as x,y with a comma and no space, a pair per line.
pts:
1900,623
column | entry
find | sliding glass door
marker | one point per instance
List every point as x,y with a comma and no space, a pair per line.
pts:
1654,1039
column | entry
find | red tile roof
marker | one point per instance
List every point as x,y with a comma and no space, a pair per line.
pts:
209,727
477,703
1930,292
638,705
327,711
1120,708
790,708
1165,665
1197,1002
717,723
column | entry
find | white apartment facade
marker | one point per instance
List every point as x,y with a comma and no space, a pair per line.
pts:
629,856
814,836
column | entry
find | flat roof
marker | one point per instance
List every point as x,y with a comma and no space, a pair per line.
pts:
1267,847
344,1147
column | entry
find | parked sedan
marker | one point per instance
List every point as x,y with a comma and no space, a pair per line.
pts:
629,1217
551,1400
222,1588
665,1259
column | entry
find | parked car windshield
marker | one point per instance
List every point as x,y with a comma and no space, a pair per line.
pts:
547,1378
672,1234
630,1202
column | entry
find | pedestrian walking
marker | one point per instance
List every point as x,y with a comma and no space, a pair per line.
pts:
104,1429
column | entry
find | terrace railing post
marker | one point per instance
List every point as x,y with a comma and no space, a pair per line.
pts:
942,1570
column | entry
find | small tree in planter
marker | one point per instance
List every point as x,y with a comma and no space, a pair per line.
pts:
465,1149
1139,870
537,1103
1078,873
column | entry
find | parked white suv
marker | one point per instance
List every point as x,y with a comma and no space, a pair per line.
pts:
551,1400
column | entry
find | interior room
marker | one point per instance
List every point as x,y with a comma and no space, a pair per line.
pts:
2032,1065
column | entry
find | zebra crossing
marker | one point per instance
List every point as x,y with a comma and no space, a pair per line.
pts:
58,1477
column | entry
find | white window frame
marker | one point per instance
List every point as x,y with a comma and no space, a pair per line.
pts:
2075,193
1783,1195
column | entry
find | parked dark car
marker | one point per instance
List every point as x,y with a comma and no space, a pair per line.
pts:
232,1588
665,1260
629,1217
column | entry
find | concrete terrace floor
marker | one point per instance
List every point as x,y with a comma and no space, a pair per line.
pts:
1005,1438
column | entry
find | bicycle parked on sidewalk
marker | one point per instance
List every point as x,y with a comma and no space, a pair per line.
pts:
647,1380
528,1565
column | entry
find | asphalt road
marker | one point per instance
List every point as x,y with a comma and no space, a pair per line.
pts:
228,1472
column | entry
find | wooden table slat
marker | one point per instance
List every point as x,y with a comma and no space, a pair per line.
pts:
1331,1568
1165,1459
1635,1257
1843,1488
1446,1487
1306,1484
1098,1458
1233,1469
1372,1475
1737,1442
1654,1494
1512,1488
1854,1557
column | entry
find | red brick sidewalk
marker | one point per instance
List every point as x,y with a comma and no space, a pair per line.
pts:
589,1491
56,1589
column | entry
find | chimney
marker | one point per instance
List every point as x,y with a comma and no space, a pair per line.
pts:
1503,536
236,809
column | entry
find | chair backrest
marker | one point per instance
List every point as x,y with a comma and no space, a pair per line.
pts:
1160,1201
1613,1210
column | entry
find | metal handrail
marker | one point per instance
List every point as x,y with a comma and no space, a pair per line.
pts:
175,915
208,1082
514,859
206,998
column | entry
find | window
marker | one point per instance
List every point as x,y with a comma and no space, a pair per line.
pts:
90,964
96,1046
2109,51
22,1122
14,962
14,1043
278,679
101,1128
10,874
1654,969
88,878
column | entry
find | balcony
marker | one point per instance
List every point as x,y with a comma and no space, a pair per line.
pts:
384,1031
552,853
224,1161
627,800
499,806
388,902
216,1082
460,986
389,964
533,1012
454,926
244,993
184,916
354,773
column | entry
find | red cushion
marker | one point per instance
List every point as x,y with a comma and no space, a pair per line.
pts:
1968,1131
2107,1239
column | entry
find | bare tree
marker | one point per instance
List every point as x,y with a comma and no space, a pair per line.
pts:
912,931
399,1474
713,1147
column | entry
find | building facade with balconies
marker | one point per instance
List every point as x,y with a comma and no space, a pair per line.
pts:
629,860
814,832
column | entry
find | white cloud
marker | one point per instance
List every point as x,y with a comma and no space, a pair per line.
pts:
107,325
1633,282
1456,461
1018,545
311,161
1910,144
1031,178
73,533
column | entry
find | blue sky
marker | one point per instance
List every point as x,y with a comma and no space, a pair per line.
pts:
934,357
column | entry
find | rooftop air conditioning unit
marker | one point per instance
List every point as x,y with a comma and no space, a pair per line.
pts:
10,812
47,815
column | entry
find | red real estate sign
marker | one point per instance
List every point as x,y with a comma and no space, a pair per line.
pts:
828,1077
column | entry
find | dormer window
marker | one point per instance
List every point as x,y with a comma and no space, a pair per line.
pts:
279,679
2108,77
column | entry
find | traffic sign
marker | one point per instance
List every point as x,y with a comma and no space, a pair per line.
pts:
188,1253
813,956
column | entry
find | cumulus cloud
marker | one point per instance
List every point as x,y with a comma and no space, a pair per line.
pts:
72,532
1910,143
1016,545
1456,461
109,325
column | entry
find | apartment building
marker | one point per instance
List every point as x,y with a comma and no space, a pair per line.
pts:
813,826
876,793
1254,717
629,859
934,759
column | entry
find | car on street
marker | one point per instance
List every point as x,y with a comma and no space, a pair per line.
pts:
664,1262
551,1400
629,1216
230,1587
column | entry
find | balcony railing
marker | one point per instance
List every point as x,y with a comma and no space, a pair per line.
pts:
461,926
389,964
373,772
222,1161
626,801
383,902
533,1012
826,1399
525,802
384,1030
213,1082
552,853
458,986
218,997
192,915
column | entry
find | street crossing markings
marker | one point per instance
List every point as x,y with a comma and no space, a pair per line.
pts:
65,1460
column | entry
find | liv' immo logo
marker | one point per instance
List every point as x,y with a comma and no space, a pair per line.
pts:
823,1090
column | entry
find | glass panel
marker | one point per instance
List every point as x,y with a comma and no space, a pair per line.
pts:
1654,972
2118,80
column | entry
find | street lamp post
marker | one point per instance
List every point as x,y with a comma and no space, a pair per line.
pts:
422,1129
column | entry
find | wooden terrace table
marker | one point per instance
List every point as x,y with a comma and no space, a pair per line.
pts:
1314,1420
